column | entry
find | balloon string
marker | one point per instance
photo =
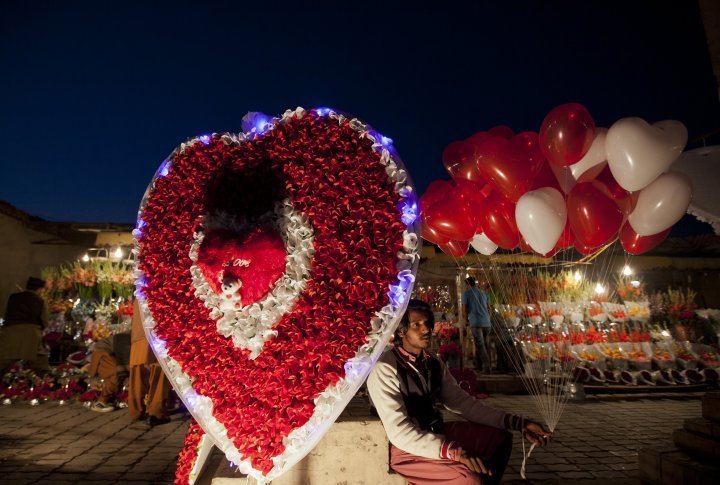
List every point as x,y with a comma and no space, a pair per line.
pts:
525,457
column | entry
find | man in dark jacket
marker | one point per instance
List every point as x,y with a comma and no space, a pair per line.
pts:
21,334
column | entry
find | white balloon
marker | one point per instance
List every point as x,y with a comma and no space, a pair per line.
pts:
638,152
661,204
483,245
587,168
540,216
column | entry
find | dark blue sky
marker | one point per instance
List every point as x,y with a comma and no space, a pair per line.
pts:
94,95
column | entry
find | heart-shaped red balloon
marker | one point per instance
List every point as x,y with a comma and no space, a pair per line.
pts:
459,161
452,217
273,268
594,217
434,193
430,234
567,133
456,249
509,165
497,219
634,243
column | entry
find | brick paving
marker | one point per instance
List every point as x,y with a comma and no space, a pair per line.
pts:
597,440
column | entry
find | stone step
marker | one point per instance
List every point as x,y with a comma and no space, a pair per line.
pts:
666,465
711,406
703,427
697,444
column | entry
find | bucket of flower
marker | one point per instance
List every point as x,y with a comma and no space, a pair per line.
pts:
685,358
707,356
615,357
638,355
588,356
662,358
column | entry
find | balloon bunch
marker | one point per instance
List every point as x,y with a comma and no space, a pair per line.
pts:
570,185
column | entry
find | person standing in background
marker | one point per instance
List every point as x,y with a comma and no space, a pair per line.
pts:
149,388
21,334
475,308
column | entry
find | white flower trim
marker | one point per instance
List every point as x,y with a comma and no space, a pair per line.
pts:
330,403
250,326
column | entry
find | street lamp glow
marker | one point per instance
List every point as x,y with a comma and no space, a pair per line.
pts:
627,270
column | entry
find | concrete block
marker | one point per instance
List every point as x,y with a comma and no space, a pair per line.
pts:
352,452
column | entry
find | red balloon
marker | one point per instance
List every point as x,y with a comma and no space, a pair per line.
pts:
459,161
509,165
497,219
430,234
594,217
434,193
637,244
502,131
609,186
456,249
452,217
566,134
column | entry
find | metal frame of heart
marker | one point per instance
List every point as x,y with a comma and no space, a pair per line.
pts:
267,410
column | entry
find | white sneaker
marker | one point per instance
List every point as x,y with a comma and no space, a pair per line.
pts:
101,407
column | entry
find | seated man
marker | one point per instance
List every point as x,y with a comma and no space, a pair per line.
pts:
406,386
109,362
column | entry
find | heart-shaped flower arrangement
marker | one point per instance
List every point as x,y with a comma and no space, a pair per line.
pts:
272,269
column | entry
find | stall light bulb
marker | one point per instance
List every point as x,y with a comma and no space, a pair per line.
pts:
599,289
577,276
86,258
635,283
627,270
118,253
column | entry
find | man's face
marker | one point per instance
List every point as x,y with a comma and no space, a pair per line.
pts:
417,336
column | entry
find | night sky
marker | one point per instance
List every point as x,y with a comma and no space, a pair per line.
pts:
94,95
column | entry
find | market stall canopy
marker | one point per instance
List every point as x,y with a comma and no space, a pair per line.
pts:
702,166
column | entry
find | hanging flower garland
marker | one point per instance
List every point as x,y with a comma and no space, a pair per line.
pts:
272,269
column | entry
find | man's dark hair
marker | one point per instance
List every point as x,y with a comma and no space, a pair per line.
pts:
33,283
415,306
470,281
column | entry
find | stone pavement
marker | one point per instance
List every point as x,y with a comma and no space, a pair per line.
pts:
597,440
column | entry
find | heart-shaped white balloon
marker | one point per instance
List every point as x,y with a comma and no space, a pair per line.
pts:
483,245
540,216
638,152
661,204
587,168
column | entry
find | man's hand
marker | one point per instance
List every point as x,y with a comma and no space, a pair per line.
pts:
474,463
536,434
